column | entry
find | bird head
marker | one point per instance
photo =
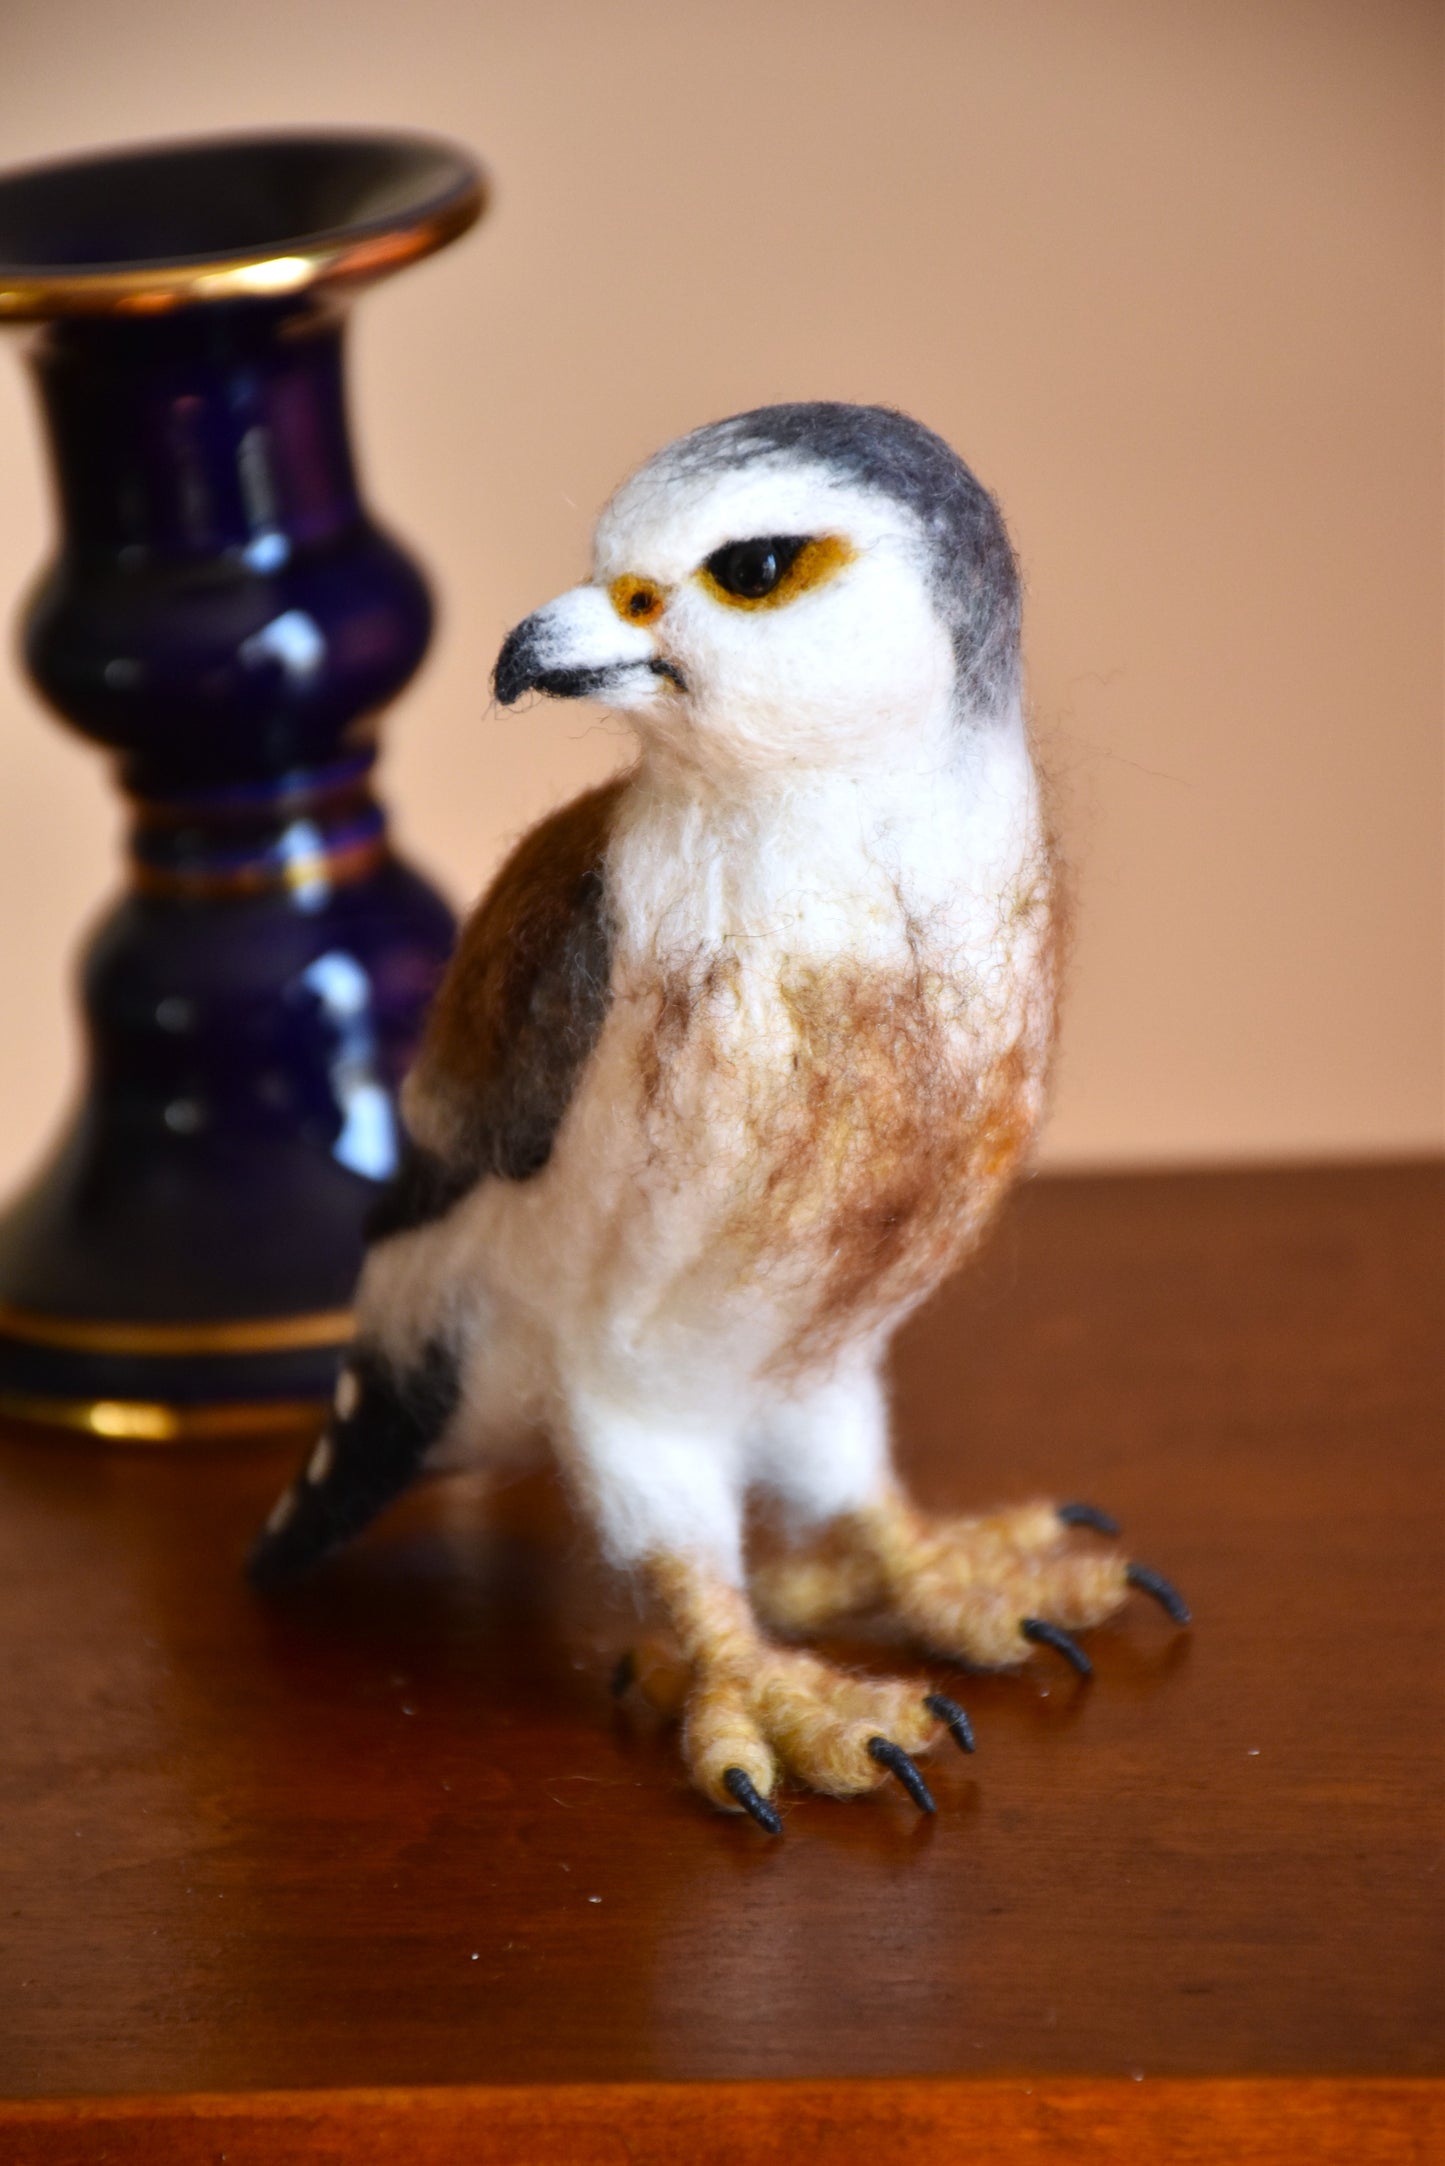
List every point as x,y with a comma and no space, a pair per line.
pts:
802,586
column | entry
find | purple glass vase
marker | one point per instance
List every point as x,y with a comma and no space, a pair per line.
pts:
225,617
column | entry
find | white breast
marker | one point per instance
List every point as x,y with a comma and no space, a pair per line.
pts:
616,1254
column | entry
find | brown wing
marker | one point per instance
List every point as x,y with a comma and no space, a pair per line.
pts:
517,1015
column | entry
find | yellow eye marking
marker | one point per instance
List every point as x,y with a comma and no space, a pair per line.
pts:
637,601
814,565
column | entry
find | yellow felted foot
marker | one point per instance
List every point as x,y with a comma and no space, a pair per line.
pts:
755,1712
981,1590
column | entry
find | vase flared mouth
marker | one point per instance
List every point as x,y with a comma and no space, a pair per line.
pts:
146,229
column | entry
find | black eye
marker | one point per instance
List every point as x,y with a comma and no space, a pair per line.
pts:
751,569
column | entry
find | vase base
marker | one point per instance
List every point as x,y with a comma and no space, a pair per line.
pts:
185,1382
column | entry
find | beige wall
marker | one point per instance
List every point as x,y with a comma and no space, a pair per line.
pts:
1169,275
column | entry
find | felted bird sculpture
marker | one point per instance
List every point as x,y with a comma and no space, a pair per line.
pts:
735,1060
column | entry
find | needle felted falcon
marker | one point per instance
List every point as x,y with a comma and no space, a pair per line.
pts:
734,1061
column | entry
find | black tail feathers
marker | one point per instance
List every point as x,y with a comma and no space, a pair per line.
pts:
386,1420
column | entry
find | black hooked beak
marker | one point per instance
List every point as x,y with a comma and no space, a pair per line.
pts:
523,666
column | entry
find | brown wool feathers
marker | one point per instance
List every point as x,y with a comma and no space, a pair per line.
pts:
877,1156
522,1001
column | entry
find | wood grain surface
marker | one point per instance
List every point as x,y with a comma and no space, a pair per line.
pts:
390,1835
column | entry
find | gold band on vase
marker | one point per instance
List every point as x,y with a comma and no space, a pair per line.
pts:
334,868
143,1421
319,1328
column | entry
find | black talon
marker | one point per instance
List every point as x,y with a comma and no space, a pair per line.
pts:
740,1786
623,1674
953,1718
897,1762
1163,1591
1045,1634
1088,1515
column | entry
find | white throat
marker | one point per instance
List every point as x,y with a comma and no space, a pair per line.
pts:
827,860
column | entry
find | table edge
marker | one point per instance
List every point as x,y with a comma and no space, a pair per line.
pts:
1094,2121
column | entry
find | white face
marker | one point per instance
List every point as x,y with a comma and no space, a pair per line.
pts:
825,650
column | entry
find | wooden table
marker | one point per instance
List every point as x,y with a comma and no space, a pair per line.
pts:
380,1872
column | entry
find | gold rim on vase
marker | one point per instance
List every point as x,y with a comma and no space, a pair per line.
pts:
428,194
